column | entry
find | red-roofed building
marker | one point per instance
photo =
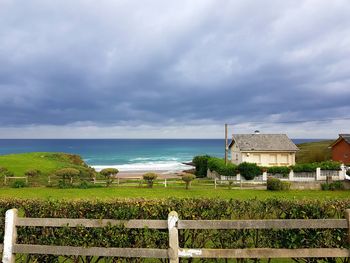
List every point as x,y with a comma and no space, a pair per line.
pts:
341,149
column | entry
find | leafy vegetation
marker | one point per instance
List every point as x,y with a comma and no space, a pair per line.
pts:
218,165
109,174
274,184
283,170
32,172
188,178
149,178
337,185
188,209
249,170
201,164
311,167
18,184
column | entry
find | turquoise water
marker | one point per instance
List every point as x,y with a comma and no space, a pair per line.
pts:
124,154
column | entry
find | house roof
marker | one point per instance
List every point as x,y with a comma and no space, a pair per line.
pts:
263,142
346,138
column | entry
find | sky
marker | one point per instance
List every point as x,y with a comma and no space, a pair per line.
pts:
174,69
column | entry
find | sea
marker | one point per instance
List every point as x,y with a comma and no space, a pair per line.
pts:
127,155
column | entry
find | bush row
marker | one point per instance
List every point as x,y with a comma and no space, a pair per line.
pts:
212,209
311,167
205,162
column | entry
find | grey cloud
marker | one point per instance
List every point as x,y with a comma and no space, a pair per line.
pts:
115,62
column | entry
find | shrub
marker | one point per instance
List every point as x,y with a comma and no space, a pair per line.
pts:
18,184
188,209
284,170
249,170
329,165
149,178
188,178
67,173
218,165
311,167
32,173
304,167
84,185
3,169
274,184
201,164
286,186
337,185
109,173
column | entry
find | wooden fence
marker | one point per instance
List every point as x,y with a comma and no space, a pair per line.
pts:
173,224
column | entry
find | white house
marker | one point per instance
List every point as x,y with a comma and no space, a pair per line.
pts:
263,149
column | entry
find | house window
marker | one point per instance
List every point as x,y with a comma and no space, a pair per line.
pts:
255,158
236,157
284,159
273,159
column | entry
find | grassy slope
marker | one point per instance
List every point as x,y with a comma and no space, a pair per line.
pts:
314,152
45,162
134,192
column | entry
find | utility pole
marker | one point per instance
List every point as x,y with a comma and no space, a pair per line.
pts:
226,144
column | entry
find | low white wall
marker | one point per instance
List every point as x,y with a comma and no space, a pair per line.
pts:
318,175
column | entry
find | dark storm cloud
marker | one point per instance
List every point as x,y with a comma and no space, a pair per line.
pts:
117,62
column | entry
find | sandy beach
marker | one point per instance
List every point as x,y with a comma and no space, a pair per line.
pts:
139,174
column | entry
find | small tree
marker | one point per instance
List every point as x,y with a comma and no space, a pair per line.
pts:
32,173
188,178
149,178
109,174
67,173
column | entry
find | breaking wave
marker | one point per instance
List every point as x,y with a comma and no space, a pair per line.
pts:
166,166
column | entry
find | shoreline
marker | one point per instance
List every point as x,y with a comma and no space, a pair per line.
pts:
139,174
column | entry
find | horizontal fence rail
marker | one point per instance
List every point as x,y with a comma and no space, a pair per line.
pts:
173,224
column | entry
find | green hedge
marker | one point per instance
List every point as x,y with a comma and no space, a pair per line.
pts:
311,167
187,209
284,170
218,165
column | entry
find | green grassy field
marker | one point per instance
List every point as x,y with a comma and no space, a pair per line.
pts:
136,192
314,152
47,163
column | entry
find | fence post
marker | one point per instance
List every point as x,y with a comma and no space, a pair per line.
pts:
264,176
318,174
5,180
10,236
173,251
291,175
347,217
165,182
215,183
